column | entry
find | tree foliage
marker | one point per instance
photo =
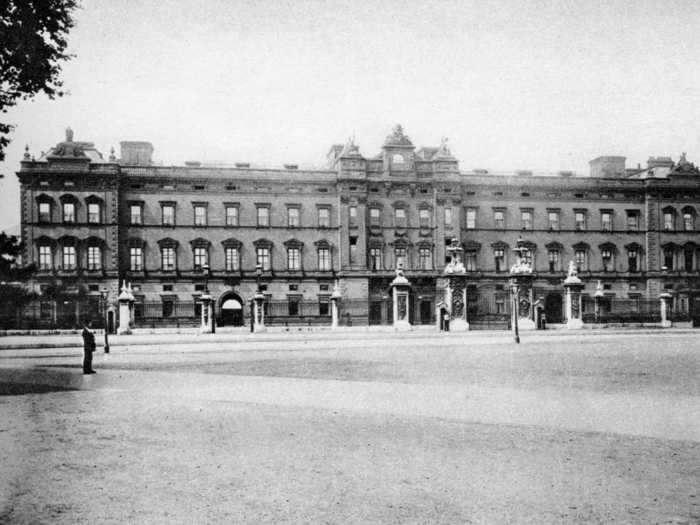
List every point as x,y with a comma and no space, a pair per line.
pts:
10,250
33,41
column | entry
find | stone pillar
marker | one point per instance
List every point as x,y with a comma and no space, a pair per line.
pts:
124,312
665,298
259,300
457,301
400,288
524,308
205,327
574,306
335,299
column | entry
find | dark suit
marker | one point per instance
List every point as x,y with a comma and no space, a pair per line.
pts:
88,349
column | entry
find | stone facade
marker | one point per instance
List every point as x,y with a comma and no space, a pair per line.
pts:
174,230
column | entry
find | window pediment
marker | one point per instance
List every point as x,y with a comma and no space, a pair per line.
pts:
262,243
168,243
293,243
232,243
471,245
94,199
199,242
554,246
45,241
135,242
581,246
608,246
95,241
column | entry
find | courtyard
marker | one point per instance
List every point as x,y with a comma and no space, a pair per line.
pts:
355,427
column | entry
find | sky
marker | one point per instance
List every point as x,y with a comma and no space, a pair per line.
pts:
540,85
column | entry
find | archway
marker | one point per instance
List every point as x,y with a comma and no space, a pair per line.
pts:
231,310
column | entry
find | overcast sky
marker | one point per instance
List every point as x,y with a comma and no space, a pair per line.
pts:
543,85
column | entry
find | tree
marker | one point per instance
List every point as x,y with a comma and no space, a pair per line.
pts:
33,41
10,250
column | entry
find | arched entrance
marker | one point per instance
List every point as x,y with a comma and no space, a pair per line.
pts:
553,307
231,310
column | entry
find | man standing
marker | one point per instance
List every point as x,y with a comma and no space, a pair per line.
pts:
88,347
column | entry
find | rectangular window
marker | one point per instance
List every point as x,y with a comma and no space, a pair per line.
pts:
135,259
352,214
232,259
400,257
324,259
688,259
168,308
374,217
499,257
400,217
45,258
94,258
554,258
632,260
607,258
167,259
668,258
231,215
200,257
553,220
580,220
293,305
353,249
44,212
68,212
135,214
470,261
668,221
632,221
580,260
93,213
293,259
500,304
69,260
262,257
324,218
526,219
606,218
263,216
448,217
499,219
200,215
425,259
293,217
471,218
375,258
424,218
324,306
688,222
167,212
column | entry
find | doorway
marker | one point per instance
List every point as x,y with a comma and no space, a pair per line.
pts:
553,308
232,311
426,311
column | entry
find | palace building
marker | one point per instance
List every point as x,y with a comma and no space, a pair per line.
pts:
91,223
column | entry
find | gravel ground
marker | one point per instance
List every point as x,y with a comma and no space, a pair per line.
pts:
146,442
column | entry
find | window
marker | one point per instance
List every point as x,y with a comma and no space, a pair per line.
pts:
632,221
93,209
580,260
471,218
324,259
167,212
168,307
169,288
688,259
553,220
668,258
375,258
668,221
607,256
44,212
293,305
231,215
448,217
200,215
554,260
45,258
400,257
632,260
424,218
293,259
293,217
167,259
324,306
499,219
135,259
232,259
68,212
526,219
353,249
135,214
400,217
263,216
352,213
374,217
688,222
94,258
470,261
500,304
324,217
606,218
200,257
262,257
527,256
499,258
69,259
425,259
580,220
